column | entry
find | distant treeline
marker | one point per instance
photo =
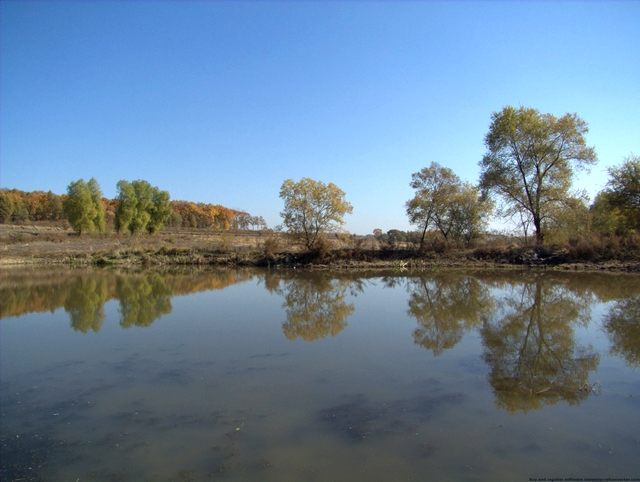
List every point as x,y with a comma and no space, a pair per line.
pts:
18,206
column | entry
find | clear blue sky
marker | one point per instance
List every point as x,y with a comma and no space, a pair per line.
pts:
220,102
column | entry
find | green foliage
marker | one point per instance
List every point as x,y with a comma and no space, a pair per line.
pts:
96,201
141,207
435,186
13,205
616,209
568,219
133,204
160,210
606,218
6,207
530,161
83,206
468,214
85,303
143,299
625,182
311,208
444,203
398,236
623,194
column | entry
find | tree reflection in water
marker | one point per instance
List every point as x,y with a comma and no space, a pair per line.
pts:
85,303
446,306
531,349
526,320
314,303
622,324
143,299
143,296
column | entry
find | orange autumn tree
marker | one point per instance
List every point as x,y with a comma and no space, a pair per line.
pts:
224,218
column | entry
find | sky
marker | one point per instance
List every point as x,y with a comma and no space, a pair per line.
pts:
221,101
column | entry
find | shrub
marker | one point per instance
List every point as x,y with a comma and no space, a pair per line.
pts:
321,248
270,247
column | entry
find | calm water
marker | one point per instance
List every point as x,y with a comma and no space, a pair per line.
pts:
318,376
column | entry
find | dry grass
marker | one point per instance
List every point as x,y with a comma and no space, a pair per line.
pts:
271,246
53,245
31,243
597,248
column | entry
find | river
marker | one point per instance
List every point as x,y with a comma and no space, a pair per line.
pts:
291,375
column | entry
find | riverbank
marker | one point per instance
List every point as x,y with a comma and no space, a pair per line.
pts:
50,245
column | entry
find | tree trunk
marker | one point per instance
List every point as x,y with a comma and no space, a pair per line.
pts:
539,236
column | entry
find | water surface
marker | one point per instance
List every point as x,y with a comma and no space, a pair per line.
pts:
189,375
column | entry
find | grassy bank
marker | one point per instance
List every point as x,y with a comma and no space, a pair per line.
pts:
51,245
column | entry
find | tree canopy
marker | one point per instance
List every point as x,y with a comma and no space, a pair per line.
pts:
530,162
141,207
311,208
623,192
444,203
83,206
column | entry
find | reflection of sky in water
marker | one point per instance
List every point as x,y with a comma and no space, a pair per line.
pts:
215,388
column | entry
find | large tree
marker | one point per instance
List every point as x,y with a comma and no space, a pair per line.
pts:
530,161
141,207
443,202
623,192
434,186
311,208
83,206
160,210
96,199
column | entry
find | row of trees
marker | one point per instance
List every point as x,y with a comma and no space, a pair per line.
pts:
201,215
138,207
17,206
526,173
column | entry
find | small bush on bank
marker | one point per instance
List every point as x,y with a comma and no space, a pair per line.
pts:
226,244
357,246
270,247
322,248
435,244
388,245
487,253
441,246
